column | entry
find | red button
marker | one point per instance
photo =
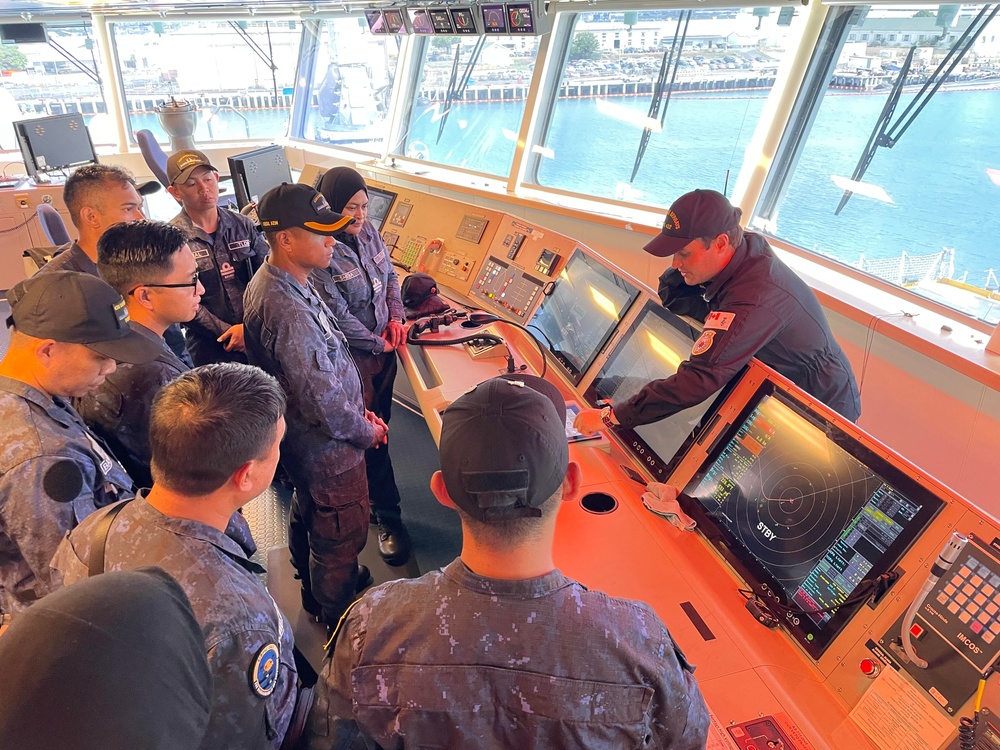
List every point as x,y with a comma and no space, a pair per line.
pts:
869,667
916,631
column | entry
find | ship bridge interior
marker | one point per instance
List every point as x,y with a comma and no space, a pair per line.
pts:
860,140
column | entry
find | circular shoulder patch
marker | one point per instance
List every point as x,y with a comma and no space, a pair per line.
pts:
704,343
63,481
264,670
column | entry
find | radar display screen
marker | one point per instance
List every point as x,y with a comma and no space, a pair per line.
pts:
494,19
652,348
805,511
582,310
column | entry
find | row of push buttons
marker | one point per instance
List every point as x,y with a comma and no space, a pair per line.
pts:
973,593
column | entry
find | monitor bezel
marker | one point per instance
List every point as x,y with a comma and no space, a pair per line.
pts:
489,30
433,13
389,196
593,263
237,169
412,13
394,15
520,30
659,466
376,22
28,151
813,639
461,30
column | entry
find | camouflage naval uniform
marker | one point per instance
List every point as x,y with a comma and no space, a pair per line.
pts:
293,336
118,411
227,260
453,659
243,628
362,291
53,473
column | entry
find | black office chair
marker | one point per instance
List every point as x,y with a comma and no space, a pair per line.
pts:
52,224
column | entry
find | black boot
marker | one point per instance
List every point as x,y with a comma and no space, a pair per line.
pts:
394,543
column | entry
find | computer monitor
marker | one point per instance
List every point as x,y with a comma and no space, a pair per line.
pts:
256,172
51,144
379,204
584,306
376,22
651,348
806,508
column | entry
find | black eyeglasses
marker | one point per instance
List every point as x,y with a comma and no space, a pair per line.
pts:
193,284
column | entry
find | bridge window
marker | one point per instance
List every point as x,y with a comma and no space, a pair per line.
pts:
911,200
62,77
351,82
467,106
239,74
669,119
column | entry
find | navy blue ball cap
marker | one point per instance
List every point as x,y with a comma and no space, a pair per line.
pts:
78,308
503,447
289,206
700,213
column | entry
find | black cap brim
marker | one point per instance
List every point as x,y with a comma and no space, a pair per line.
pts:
663,245
133,349
148,188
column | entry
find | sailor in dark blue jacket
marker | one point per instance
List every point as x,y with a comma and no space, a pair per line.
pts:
751,304
362,291
292,334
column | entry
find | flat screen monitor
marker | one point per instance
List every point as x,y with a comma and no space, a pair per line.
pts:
464,20
420,21
806,508
394,21
23,33
652,348
494,19
376,22
50,144
379,204
256,172
520,18
441,21
584,306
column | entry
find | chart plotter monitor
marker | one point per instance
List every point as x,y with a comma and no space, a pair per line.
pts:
586,303
652,348
379,204
807,509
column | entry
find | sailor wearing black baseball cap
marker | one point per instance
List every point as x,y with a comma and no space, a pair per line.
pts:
69,329
501,622
751,305
292,334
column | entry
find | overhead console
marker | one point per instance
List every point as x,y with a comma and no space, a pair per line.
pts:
531,18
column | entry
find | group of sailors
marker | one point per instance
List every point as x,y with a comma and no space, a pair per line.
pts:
291,328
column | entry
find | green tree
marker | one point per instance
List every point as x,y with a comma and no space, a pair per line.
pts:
925,13
11,58
585,46
441,42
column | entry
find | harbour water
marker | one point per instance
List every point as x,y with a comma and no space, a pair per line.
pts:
940,193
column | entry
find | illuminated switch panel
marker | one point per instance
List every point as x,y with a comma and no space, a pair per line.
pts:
456,264
406,255
506,289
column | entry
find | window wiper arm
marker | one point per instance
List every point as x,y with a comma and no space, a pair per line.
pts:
456,88
886,133
663,89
